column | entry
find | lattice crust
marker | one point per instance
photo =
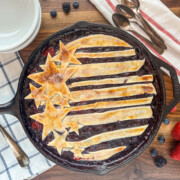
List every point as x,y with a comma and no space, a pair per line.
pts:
54,91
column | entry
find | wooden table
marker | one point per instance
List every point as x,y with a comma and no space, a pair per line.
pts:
142,167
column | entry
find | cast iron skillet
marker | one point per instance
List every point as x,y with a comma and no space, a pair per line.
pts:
17,106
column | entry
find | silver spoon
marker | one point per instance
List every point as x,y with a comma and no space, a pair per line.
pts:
129,13
123,23
135,5
20,155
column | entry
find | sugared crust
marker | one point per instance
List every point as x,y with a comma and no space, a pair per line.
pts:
51,119
55,91
67,56
37,94
54,78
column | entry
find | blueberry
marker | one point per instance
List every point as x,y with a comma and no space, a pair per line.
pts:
154,153
53,13
160,162
75,4
161,139
66,7
166,121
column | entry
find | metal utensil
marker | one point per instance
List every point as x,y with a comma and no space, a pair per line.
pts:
20,155
123,23
129,13
135,5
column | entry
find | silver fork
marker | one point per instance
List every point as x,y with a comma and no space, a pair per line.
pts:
20,155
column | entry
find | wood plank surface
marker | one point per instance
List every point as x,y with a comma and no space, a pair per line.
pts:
142,168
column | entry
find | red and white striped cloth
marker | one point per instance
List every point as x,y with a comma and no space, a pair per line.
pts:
162,20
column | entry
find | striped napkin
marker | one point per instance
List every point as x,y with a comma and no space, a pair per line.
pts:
162,20
10,69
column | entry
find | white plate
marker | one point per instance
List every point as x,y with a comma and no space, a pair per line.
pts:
25,44
18,20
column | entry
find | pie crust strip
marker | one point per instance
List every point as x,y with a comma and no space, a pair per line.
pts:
142,112
129,52
101,69
97,40
113,104
130,79
110,135
102,154
115,92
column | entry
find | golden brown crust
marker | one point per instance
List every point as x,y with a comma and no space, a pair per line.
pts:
110,135
102,154
130,52
97,40
115,92
142,112
66,56
60,142
113,104
54,78
102,69
58,99
51,119
122,80
37,94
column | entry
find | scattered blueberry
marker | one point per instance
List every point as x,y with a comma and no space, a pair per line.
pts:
53,13
161,139
75,4
154,153
66,7
160,162
166,121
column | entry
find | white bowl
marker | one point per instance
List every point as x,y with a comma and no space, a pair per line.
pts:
18,20
29,40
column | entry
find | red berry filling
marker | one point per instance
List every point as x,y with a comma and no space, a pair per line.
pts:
49,50
37,126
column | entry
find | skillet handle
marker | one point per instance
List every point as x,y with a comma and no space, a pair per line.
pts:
175,83
9,107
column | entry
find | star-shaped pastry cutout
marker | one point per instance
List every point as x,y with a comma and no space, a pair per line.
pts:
37,94
77,151
58,99
51,119
74,126
66,56
54,78
60,142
